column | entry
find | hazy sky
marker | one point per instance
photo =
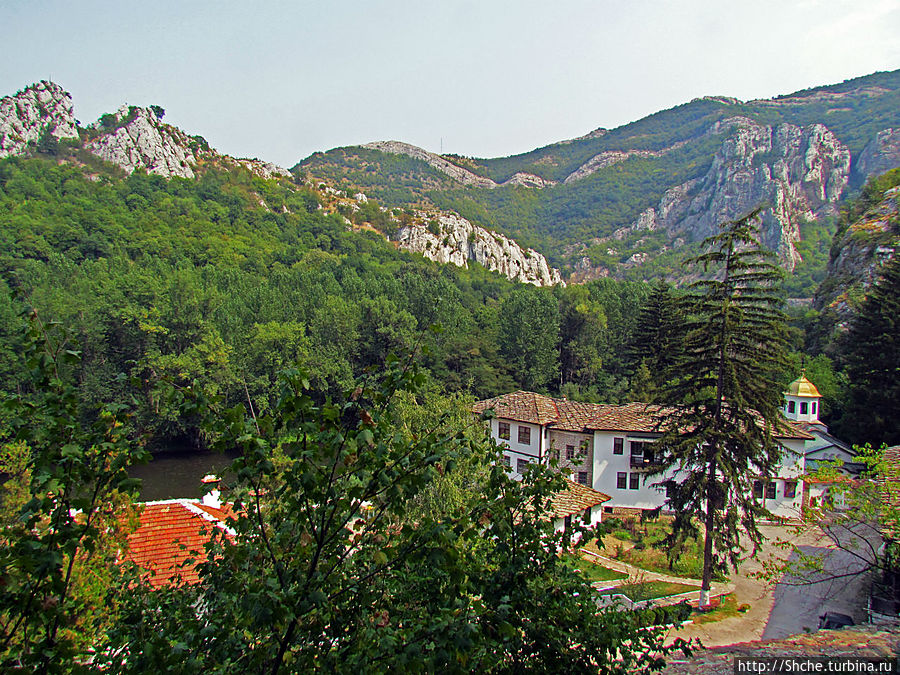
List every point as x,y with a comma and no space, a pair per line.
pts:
280,80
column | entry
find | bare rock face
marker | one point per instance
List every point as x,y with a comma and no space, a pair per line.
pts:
143,141
42,108
610,157
859,253
528,180
452,239
435,161
881,154
799,174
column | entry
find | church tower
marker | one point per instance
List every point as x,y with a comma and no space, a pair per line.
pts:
801,401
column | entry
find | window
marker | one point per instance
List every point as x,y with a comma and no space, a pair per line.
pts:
770,490
503,430
635,481
621,480
582,477
506,461
813,404
757,489
524,435
570,452
587,516
670,489
804,408
790,489
521,465
567,523
792,407
618,446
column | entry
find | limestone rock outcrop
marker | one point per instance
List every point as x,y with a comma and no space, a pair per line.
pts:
42,108
142,140
449,238
797,173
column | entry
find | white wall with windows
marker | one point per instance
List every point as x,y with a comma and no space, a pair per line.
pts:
621,469
525,443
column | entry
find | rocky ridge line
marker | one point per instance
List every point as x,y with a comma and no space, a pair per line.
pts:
457,173
610,157
42,108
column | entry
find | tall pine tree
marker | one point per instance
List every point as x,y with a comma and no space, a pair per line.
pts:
657,344
726,401
871,351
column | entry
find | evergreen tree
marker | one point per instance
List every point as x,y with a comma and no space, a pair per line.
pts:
657,344
726,402
872,353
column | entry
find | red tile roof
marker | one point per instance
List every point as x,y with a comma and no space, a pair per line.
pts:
522,406
171,532
526,406
576,498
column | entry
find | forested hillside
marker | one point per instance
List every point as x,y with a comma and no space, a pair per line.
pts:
229,277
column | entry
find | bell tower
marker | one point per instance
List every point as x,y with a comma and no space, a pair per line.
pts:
801,401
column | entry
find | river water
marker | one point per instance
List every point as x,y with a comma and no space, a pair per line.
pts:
175,473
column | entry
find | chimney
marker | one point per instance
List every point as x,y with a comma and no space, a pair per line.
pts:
211,498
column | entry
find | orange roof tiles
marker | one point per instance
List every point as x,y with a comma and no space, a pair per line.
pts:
522,406
576,498
526,406
171,532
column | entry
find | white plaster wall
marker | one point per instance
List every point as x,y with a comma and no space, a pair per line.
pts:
606,467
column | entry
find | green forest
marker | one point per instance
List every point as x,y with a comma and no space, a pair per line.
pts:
229,278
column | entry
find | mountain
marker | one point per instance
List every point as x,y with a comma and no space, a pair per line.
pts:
631,202
41,117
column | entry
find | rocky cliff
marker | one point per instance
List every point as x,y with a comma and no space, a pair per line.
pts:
798,173
42,108
448,238
858,254
881,154
138,138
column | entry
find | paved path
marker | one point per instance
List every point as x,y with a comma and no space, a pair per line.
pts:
780,610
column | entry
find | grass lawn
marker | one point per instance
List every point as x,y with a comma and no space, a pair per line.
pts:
597,572
650,589
726,609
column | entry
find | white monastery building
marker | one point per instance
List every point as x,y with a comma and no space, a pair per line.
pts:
610,447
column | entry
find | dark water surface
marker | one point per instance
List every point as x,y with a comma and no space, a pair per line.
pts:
175,473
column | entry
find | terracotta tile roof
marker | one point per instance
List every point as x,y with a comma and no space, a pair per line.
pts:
575,416
640,417
522,406
576,498
169,533
526,406
857,641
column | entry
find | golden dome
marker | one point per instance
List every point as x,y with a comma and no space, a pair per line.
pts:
802,387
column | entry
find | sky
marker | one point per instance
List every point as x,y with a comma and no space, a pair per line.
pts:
280,80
